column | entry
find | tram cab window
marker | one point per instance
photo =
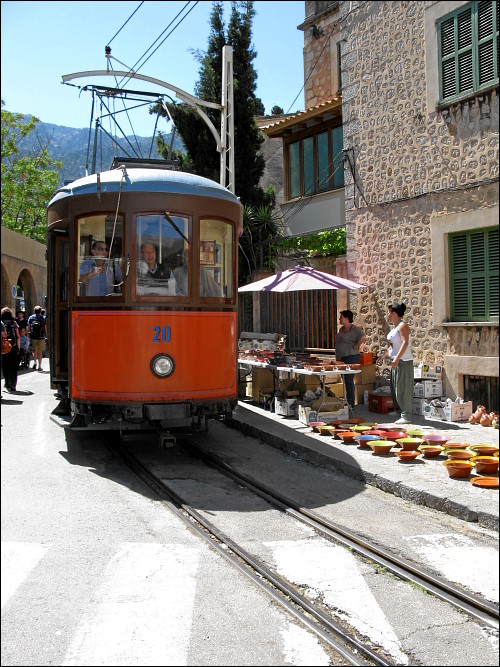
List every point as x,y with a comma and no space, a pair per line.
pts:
100,256
160,242
216,259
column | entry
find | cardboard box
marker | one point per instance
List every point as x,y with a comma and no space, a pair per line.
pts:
381,403
284,406
307,414
261,377
421,407
455,412
368,375
428,389
423,371
337,388
359,393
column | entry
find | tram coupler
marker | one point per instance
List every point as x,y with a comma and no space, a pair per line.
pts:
167,440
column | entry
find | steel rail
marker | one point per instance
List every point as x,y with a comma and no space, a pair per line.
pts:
483,610
208,531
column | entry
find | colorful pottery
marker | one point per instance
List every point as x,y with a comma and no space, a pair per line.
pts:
459,454
410,444
406,455
484,450
458,469
485,464
381,446
430,451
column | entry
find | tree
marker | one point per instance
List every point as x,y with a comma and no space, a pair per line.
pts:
197,138
28,182
277,111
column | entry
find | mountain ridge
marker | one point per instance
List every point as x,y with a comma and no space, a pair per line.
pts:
70,146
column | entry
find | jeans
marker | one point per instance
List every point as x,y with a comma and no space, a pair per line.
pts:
349,379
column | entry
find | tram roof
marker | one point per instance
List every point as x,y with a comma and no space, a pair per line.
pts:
136,179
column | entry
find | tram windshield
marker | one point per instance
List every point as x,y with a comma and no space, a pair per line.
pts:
161,240
100,256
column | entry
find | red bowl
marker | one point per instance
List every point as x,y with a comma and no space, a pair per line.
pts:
406,455
347,436
394,435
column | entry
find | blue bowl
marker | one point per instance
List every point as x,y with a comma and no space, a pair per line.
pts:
363,440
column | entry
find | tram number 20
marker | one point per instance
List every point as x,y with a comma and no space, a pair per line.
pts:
161,334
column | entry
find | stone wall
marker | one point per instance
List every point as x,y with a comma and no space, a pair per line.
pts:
24,264
408,165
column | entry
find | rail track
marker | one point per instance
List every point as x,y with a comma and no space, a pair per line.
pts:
337,637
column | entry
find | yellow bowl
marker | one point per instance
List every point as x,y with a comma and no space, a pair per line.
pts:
485,464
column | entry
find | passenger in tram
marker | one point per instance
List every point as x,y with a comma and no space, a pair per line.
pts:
150,267
98,274
208,286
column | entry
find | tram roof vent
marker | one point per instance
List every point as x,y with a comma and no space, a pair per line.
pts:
144,163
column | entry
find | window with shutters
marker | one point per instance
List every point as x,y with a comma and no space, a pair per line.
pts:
314,161
474,275
468,51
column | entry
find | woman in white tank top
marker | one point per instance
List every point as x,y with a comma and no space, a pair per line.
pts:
401,357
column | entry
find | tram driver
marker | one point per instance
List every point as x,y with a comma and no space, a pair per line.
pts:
99,275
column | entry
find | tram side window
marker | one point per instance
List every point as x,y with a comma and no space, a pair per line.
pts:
100,257
216,259
160,242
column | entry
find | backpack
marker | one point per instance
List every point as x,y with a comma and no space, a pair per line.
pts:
11,332
37,327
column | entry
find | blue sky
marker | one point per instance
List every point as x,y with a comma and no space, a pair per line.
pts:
41,41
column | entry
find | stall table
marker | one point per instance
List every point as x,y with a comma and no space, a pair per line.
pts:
280,370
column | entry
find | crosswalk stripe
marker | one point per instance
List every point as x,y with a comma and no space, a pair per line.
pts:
143,608
333,572
18,559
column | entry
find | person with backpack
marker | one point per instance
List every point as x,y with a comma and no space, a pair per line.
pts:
10,360
36,332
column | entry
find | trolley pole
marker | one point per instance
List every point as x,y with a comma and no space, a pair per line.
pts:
227,121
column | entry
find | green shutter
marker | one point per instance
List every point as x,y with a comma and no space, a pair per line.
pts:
474,275
468,50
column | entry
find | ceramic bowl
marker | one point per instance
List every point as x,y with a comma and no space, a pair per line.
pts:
364,440
337,422
381,446
458,469
375,431
410,444
457,445
415,433
335,430
485,464
355,420
484,450
346,427
459,454
325,430
347,436
360,428
406,455
394,435
430,451
436,439
315,425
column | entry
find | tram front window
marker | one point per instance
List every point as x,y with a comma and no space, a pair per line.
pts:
100,242
216,259
161,240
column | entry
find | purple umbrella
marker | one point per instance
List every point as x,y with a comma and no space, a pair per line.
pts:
300,278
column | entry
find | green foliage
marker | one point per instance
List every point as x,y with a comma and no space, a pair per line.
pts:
28,181
261,227
277,111
197,138
330,242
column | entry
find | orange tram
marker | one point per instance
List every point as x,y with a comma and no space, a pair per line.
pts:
142,298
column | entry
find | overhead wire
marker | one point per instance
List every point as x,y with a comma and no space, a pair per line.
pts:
133,68
116,33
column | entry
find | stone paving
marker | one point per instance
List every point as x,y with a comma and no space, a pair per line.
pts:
424,481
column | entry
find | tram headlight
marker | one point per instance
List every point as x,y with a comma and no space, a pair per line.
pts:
162,365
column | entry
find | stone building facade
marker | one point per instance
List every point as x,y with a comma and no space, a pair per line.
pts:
416,171
24,272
